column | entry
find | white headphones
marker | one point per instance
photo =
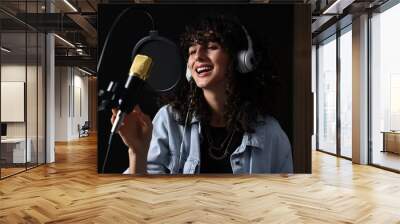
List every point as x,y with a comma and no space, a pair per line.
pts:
246,61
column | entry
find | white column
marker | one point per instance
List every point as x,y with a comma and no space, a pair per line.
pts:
50,93
360,90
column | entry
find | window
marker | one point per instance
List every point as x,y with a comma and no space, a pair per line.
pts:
346,92
334,94
326,92
385,88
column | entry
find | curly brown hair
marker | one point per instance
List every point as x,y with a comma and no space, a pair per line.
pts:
246,94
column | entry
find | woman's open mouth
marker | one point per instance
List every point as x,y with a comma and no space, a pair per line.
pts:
204,70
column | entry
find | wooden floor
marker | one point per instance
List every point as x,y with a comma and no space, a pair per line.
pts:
387,159
5,172
8,171
71,191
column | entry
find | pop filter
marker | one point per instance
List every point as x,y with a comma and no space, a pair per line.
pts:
166,70
168,66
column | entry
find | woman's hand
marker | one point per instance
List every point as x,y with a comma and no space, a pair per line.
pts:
135,131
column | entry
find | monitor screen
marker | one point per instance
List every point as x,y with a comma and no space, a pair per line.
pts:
3,129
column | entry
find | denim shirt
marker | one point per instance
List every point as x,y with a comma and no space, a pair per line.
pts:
267,150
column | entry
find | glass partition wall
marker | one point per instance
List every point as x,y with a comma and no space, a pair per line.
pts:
22,64
334,94
385,88
13,89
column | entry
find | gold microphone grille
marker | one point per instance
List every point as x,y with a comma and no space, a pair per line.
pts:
141,66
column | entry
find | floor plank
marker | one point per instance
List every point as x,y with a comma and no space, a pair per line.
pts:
71,191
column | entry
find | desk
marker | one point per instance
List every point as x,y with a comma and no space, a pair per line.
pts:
391,141
13,150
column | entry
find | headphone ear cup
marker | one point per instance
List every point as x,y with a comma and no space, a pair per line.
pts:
241,62
246,59
188,74
250,60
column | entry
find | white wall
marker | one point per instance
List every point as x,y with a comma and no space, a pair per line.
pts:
61,103
81,82
71,102
14,72
33,126
17,73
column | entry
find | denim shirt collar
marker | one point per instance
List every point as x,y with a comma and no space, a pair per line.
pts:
252,139
194,119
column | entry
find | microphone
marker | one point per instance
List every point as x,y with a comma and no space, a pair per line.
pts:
138,74
165,75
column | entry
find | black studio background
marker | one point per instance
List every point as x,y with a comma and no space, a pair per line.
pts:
270,26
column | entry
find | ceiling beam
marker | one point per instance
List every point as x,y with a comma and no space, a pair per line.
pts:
80,20
337,7
86,27
83,61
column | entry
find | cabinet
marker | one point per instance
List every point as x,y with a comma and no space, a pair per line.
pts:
13,150
391,141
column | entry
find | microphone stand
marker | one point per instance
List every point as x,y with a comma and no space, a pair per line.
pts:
109,34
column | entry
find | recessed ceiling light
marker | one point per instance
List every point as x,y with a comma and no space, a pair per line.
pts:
70,5
338,6
65,41
84,71
5,49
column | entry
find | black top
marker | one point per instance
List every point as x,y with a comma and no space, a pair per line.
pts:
217,145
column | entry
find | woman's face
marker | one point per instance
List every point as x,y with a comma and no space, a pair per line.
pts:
208,64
